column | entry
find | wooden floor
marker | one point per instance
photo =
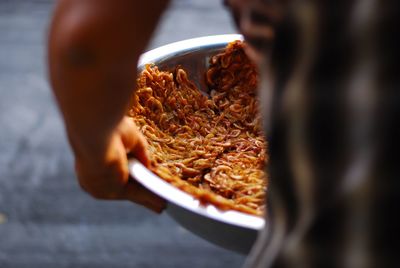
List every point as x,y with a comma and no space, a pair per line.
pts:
46,221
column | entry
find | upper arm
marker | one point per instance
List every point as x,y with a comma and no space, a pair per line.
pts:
94,46
105,29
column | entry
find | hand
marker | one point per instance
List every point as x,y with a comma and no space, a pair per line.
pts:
106,176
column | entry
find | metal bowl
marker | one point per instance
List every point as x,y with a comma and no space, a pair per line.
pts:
229,229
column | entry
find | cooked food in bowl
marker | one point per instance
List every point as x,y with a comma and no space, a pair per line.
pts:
210,146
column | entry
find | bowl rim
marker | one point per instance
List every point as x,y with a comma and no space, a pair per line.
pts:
162,188
187,45
182,199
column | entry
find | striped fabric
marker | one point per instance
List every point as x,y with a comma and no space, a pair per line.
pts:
330,96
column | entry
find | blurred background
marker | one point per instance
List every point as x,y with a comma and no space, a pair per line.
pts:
46,220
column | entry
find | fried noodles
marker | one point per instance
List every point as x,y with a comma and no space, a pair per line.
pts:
210,147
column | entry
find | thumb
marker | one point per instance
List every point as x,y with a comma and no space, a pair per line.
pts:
136,193
134,141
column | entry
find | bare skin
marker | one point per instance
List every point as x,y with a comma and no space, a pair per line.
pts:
94,47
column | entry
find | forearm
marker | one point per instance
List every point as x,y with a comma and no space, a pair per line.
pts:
94,46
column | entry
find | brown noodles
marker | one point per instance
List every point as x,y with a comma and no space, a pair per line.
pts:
211,147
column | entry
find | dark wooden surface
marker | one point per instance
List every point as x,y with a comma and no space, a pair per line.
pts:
46,220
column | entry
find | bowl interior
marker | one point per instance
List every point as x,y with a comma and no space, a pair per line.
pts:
231,229
192,55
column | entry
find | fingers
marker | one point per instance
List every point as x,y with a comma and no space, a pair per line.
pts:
134,141
135,144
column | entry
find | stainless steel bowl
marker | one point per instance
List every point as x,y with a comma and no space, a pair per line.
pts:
230,229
